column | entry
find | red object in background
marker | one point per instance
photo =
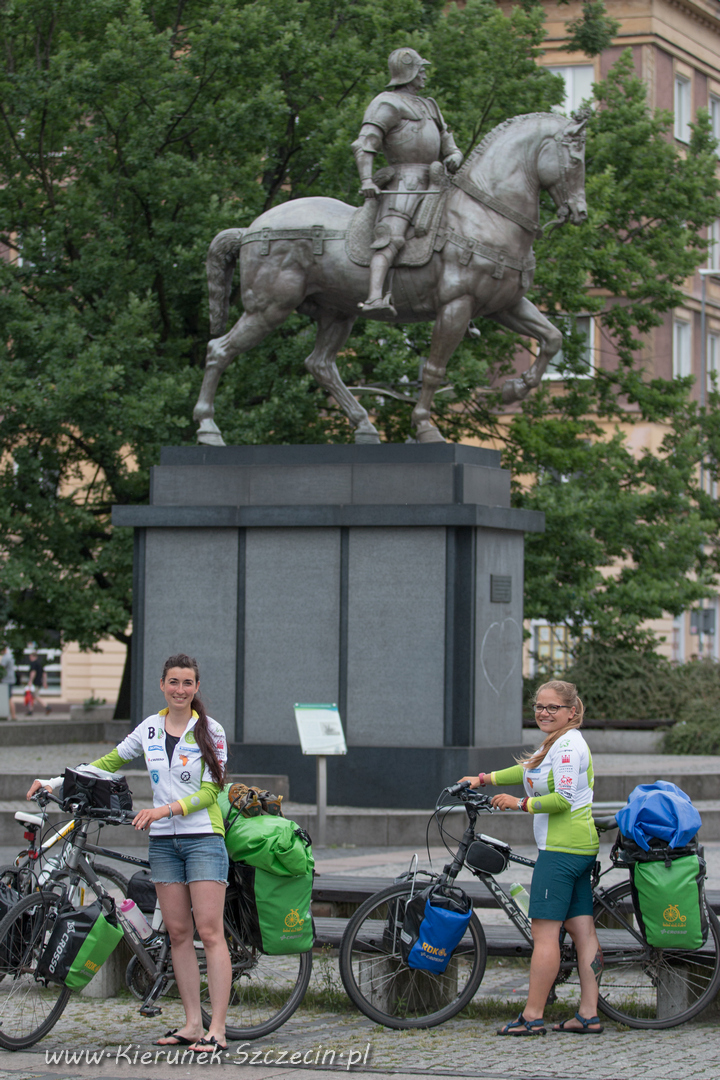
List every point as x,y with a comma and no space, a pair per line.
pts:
29,697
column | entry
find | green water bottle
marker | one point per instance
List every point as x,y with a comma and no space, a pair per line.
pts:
520,895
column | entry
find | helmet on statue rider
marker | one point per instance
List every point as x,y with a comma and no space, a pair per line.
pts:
404,65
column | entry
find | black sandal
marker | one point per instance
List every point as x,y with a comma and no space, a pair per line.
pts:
180,1040
209,1041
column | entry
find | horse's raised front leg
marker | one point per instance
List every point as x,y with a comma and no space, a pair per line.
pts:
449,330
248,331
333,332
524,318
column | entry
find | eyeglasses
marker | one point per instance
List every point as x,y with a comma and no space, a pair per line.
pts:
551,709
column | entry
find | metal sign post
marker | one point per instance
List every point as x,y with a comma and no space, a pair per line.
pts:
321,733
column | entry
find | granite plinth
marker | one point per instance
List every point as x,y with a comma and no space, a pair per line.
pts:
388,579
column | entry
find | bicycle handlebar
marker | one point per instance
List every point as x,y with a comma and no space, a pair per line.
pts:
464,785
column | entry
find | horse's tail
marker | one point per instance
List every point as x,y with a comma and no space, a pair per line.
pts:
221,259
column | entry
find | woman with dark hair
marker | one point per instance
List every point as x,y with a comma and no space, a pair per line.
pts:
558,780
185,752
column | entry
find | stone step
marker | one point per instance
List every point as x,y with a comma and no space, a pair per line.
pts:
358,827
34,732
15,785
610,740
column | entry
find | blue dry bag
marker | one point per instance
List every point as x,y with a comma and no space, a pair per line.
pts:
435,921
659,811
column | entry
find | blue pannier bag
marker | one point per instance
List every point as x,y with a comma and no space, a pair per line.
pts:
435,921
659,811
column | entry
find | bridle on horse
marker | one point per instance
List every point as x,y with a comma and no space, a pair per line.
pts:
567,146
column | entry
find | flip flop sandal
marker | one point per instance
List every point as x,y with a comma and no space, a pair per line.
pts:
209,1041
180,1040
584,1030
521,1026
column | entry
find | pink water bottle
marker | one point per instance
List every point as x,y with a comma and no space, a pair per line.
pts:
132,913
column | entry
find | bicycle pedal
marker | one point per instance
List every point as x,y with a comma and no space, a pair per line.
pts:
150,1010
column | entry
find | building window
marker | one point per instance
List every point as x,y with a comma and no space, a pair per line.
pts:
682,353
578,80
682,108
552,652
585,325
714,106
713,260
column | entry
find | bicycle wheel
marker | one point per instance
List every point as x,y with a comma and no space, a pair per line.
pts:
645,987
29,1006
266,990
381,984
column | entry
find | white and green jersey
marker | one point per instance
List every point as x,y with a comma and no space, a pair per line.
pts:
184,779
560,795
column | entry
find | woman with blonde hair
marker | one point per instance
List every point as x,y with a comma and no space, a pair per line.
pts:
558,781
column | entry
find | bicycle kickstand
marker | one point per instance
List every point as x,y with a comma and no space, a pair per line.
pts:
148,1007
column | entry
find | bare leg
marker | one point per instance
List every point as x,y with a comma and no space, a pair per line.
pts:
333,332
176,912
208,902
544,965
590,964
449,330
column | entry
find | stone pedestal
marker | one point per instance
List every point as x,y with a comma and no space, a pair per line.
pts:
388,579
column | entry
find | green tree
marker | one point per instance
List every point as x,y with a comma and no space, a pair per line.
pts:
131,133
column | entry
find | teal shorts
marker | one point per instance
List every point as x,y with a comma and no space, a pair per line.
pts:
561,887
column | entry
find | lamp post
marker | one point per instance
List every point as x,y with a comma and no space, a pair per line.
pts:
712,271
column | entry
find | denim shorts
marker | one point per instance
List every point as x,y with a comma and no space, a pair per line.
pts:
185,859
561,886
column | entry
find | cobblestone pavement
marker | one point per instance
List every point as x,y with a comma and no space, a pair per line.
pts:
116,1037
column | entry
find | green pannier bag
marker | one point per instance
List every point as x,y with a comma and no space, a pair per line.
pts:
669,902
280,854
79,945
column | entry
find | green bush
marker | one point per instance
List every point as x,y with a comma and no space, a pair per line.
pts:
626,685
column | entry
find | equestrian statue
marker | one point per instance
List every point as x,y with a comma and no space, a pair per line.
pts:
437,238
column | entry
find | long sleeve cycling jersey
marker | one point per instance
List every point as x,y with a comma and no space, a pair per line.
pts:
560,795
184,779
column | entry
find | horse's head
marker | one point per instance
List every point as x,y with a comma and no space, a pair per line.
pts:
561,167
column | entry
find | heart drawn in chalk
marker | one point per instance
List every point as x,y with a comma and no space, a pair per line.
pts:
500,652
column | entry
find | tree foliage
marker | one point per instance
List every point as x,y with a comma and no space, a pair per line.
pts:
132,132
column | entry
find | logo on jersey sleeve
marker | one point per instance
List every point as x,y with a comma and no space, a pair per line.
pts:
566,781
566,759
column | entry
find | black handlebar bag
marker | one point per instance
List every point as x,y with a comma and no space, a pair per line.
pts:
97,788
80,943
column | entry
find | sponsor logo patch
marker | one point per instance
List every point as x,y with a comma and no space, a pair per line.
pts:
185,777
566,781
189,738
566,759
151,748
155,776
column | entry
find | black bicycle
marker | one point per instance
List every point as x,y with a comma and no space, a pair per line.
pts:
641,986
266,990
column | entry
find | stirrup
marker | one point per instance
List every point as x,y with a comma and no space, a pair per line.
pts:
382,306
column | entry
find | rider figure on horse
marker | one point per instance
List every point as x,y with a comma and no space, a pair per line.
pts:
412,134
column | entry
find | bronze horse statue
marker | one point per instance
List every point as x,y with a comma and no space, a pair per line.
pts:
473,257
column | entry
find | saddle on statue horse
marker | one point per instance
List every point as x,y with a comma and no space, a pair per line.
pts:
422,235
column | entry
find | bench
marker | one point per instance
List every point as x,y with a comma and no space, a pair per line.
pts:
332,892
